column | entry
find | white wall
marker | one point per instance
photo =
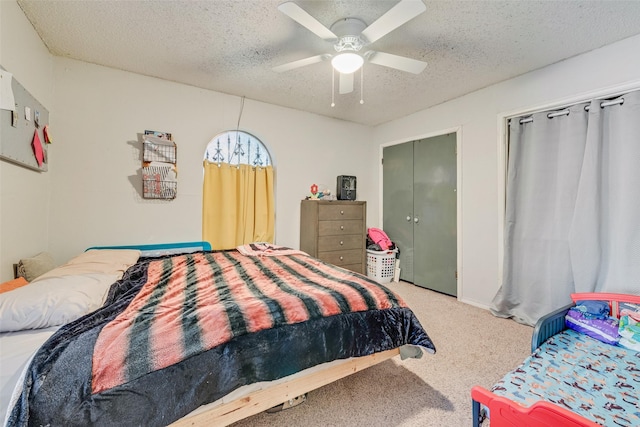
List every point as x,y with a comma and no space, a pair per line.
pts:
99,114
477,115
24,193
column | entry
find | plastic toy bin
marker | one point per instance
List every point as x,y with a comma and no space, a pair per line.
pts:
381,265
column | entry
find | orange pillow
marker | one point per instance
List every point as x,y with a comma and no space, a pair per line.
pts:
13,284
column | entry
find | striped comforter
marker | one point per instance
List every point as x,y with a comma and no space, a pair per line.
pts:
181,331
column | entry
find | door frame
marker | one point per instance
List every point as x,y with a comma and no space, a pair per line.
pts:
458,131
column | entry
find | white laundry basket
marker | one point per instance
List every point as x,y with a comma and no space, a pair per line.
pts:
381,265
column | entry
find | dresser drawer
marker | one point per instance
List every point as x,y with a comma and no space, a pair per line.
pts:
342,211
336,228
350,256
337,243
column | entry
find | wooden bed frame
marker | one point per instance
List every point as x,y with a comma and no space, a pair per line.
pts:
261,400
507,413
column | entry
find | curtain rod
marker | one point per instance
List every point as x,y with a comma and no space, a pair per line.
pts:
565,112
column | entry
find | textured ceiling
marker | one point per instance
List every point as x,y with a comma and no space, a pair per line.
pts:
231,46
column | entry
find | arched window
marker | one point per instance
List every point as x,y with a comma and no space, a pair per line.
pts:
237,147
238,199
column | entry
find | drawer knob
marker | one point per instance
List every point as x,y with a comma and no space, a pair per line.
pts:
341,212
342,227
341,258
341,243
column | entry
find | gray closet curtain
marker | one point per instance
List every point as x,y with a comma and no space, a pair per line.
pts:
572,208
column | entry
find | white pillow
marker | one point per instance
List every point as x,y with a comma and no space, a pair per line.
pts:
53,301
103,261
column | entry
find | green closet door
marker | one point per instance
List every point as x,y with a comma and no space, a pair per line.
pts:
435,218
397,205
419,210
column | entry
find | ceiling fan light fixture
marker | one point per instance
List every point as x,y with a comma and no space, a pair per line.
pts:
347,62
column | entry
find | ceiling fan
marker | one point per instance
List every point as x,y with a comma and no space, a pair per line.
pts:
350,35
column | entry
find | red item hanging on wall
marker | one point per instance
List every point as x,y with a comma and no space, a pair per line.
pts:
45,133
37,148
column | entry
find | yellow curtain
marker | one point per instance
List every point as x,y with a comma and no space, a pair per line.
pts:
237,205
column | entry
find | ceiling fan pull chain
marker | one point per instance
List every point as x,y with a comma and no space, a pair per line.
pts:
333,87
361,85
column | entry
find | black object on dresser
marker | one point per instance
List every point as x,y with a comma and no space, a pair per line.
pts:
346,187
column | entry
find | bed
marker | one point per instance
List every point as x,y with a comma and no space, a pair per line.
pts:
578,373
190,336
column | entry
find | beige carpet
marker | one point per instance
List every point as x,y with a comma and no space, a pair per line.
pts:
473,348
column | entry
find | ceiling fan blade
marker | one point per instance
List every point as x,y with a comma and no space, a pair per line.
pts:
401,63
346,83
399,14
303,18
299,63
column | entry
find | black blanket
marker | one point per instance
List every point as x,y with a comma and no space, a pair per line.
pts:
357,318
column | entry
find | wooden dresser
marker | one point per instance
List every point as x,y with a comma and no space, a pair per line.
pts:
335,231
